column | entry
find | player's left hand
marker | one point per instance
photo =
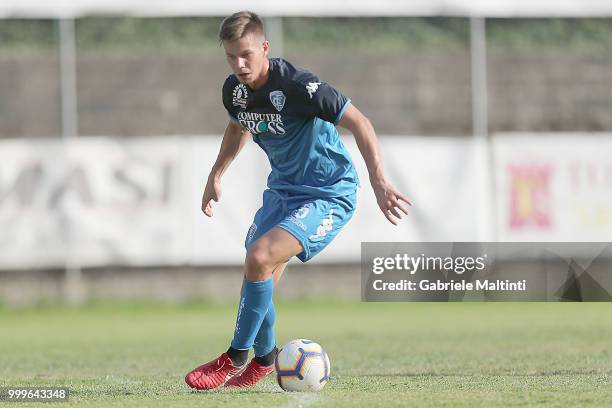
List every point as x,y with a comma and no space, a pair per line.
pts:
390,201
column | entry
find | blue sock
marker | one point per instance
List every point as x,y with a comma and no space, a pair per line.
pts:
265,340
254,302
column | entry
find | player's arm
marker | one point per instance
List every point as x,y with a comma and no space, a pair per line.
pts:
234,138
388,198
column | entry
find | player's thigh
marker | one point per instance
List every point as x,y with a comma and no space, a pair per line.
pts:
269,251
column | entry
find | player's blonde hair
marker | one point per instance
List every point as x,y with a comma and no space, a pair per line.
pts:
240,24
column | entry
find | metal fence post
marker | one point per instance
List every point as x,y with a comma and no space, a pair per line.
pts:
480,129
274,34
73,282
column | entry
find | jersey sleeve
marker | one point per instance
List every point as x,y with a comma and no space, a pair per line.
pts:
324,101
227,99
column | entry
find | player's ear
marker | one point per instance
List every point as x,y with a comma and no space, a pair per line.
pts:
266,47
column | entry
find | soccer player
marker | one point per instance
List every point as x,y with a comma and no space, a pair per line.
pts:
291,114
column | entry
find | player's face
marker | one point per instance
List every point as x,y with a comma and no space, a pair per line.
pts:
248,58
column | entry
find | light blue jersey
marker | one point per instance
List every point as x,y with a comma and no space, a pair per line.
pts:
312,186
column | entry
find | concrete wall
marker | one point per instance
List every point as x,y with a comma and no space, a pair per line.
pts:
422,92
174,284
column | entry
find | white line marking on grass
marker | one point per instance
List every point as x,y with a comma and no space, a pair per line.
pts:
303,400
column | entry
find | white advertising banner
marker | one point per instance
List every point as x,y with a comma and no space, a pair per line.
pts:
553,187
111,201
93,201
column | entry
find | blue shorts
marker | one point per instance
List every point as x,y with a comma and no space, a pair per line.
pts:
313,221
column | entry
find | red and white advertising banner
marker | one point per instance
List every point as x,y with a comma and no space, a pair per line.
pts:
553,187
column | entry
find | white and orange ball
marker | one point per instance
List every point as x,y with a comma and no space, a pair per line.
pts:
302,365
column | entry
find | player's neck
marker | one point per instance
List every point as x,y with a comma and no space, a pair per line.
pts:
263,78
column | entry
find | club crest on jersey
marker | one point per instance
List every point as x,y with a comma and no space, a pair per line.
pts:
240,96
278,99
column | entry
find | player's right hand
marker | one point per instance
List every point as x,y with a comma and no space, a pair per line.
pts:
212,192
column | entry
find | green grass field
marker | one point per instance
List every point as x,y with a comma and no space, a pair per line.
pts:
382,354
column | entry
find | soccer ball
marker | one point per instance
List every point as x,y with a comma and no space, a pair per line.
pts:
302,365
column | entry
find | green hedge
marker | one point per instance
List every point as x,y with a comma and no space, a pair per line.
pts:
370,34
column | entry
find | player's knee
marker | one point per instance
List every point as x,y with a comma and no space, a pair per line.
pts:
258,263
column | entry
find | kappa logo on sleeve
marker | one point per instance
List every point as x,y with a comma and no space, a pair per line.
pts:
312,87
240,96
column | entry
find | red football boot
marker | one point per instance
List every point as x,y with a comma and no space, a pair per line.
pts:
250,376
212,374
